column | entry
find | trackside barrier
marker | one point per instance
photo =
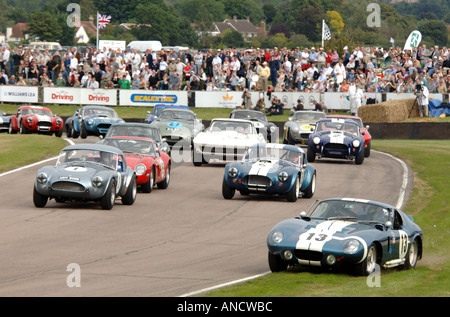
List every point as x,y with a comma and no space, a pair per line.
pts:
199,99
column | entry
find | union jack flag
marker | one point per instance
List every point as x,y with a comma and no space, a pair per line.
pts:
103,20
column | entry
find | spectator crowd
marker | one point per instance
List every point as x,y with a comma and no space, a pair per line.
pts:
300,70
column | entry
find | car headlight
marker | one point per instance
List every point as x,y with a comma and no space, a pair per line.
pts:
356,143
97,181
58,121
232,172
351,246
283,176
316,140
90,121
41,178
276,237
272,129
140,169
29,119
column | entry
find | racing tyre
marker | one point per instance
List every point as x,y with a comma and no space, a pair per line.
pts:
411,259
197,158
292,195
311,156
39,200
83,133
367,150
59,133
227,191
22,129
309,192
11,130
148,187
165,183
130,197
68,131
108,200
276,264
367,266
360,158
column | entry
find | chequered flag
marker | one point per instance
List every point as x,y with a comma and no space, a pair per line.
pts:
103,20
326,32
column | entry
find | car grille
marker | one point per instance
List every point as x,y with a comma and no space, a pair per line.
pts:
103,125
335,146
257,181
68,186
304,135
44,124
308,255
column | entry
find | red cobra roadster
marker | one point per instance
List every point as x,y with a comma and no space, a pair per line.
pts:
364,130
151,165
29,119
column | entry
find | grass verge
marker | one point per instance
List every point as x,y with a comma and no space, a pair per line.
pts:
19,150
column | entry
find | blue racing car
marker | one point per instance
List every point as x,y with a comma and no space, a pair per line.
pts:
4,121
157,109
91,120
271,169
346,233
336,138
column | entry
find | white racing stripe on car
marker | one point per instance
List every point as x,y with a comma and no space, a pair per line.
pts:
315,238
261,168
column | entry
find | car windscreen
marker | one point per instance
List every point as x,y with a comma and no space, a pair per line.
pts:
177,115
42,112
241,127
135,131
99,112
143,147
269,153
83,156
308,116
250,115
346,209
355,120
337,126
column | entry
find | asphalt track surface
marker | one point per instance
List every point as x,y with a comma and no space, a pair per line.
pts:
171,242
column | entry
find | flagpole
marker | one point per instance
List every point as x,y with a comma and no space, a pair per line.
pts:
97,31
323,29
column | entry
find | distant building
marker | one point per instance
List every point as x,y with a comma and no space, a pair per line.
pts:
243,26
17,33
86,29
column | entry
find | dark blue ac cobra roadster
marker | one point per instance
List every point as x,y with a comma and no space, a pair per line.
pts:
346,233
271,169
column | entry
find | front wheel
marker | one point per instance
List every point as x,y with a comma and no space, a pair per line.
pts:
292,195
311,156
227,191
367,266
148,186
108,200
39,200
309,192
276,264
360,158
130,197
367,150
165,183
84,132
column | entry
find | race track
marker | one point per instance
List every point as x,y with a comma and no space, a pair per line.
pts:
170,242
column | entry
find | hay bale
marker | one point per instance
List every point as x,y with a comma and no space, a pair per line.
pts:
388,111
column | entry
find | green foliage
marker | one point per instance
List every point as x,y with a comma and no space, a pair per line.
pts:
45,26
232,39
436,30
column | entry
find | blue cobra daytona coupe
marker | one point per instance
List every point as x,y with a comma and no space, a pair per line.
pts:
336,138
343,233
271,169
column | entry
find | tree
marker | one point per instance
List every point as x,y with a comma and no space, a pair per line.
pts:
309,22
232,39
335,22
280,28
45,26
436,30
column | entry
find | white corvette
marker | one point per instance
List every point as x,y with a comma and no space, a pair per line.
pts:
225,139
